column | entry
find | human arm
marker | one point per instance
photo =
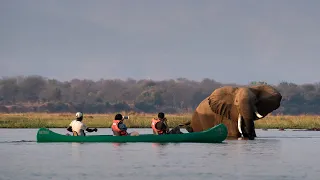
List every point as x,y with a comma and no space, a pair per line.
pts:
166,124
122,127
69,129
91,130
84,127
162,126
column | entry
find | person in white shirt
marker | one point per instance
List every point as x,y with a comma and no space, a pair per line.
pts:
77,127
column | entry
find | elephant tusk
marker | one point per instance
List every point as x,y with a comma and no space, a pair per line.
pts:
258,115
239,125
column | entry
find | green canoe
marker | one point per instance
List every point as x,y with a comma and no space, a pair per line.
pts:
215,134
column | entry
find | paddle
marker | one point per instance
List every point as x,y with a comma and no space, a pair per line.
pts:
92,130
83,131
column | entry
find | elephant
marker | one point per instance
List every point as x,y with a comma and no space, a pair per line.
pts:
237,107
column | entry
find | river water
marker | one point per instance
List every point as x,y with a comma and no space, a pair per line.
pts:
274,155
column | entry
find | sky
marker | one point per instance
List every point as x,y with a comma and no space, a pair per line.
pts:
226,40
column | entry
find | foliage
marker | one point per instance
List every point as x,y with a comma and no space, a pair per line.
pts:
39,94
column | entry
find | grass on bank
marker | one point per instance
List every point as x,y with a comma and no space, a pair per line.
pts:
62,120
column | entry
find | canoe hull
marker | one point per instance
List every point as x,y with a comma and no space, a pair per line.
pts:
215,134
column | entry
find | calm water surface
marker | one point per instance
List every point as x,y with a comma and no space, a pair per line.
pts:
274,155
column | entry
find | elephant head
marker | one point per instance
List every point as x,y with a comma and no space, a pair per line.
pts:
245,105
268,99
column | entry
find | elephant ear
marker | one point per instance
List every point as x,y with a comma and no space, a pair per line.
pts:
221,104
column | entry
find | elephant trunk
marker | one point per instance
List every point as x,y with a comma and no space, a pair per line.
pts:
247,113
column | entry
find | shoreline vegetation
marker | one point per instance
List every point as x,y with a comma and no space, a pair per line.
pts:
142,120
39,94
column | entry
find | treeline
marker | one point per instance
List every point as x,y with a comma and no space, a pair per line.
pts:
39,94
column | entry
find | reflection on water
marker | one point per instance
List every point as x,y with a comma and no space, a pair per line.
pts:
118,145
159,148
75,151
273,155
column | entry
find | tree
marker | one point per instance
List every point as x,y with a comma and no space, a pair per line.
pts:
9,89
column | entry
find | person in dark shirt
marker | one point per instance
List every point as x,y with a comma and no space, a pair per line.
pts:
159,125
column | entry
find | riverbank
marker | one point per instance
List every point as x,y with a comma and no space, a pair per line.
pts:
62,120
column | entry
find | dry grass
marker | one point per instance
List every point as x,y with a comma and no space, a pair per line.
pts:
62,120
289,122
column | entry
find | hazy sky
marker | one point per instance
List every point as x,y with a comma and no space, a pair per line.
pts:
227,40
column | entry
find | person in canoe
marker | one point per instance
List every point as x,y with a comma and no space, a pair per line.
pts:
160,126
119,128
78,128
